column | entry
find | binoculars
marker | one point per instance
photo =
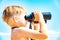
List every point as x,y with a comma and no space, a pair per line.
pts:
46,16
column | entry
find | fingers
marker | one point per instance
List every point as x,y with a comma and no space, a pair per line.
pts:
38,16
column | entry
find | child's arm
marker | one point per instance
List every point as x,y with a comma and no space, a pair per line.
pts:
42,26
29,33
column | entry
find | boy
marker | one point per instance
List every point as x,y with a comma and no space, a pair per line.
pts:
14,16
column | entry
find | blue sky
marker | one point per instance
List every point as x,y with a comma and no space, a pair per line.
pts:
52,6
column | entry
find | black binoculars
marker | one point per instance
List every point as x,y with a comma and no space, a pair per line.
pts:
46,16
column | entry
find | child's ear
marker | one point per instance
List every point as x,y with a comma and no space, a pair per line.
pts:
15,19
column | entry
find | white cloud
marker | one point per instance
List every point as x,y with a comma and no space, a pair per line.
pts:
53,35
53,32
4,34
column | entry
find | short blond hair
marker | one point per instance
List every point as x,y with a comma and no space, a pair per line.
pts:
11,10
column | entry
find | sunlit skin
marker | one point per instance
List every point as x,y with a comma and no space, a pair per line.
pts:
16,19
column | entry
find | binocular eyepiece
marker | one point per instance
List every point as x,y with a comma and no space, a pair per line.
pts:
46,16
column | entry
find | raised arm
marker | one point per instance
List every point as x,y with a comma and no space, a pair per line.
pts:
42,28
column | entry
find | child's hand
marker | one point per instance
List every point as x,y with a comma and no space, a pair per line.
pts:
38,16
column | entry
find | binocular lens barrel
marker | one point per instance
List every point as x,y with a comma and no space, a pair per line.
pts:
46,16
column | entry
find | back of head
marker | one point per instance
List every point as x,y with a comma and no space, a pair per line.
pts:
12,10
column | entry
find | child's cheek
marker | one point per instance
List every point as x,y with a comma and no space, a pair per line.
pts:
22,21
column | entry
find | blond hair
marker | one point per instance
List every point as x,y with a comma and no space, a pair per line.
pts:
11,10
